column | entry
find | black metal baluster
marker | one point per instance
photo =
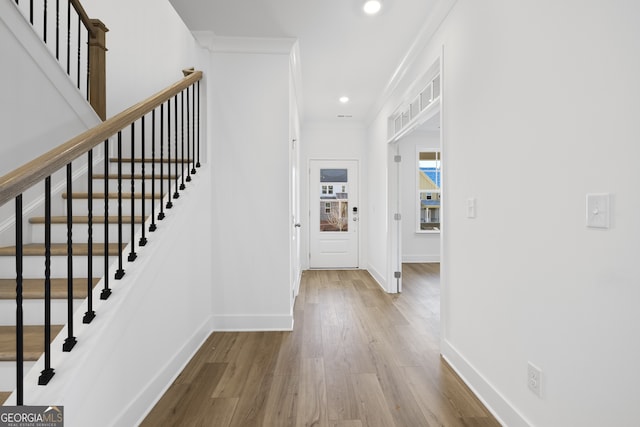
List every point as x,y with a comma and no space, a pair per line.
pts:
90,314
188,146
132,243
182,186
70,341
31,11
161,214
106,291
47,373
120,272
79,49
19,312
169,202
58,29
44,26
198,163
152,226
175,116
193,128
143,239
88,65
69,37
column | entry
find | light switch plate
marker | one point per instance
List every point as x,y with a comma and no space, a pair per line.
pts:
471,208
598,215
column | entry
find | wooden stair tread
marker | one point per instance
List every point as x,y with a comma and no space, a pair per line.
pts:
128,160
60,249
125,196
33,341
85,219
34,288
4,395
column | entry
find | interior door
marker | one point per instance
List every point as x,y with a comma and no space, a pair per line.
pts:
333,214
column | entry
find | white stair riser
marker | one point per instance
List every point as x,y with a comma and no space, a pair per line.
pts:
8,374
137,168
98,185
79,207
80,233
33,311
33,266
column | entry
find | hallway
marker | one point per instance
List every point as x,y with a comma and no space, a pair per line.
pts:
357,357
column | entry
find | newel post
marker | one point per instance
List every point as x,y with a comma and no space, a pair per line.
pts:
97,67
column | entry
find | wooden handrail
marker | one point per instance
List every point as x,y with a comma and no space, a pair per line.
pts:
19,180
83,16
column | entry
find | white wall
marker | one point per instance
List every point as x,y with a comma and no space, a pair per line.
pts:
416,247
331,141
540,108
249,101
377,157
148,44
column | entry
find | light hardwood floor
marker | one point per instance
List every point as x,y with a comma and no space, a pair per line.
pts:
357,357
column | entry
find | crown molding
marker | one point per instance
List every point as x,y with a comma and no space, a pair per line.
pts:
219,44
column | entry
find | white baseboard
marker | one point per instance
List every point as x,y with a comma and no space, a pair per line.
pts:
251,323
377,277
495,402
147,398
416,259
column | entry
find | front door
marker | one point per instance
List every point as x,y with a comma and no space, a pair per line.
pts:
334,215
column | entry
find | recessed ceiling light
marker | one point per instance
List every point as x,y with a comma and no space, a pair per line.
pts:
344,99
371,7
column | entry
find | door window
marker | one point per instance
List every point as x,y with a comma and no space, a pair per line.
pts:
334,203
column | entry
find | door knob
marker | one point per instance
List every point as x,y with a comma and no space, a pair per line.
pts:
297,224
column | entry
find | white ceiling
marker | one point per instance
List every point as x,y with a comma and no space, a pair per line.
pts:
342,50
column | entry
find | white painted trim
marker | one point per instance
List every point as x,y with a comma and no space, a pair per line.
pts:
495,402
219,44
379,278
296,287
415,259
251,323
296,76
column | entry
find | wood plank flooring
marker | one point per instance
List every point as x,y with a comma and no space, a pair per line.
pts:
357,357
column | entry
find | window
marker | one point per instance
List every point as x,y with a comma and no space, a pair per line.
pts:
429,183
334,214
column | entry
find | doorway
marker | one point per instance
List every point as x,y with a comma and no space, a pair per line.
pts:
333,214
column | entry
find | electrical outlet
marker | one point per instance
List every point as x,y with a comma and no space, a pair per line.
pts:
534,379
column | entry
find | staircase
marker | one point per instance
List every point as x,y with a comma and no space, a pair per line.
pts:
34,252
101,218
